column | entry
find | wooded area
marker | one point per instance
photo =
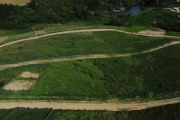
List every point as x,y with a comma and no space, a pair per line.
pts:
61,11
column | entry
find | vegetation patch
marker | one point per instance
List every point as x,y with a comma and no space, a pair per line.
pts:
24,114
78,44
150,76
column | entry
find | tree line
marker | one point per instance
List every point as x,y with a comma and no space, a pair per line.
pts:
56,11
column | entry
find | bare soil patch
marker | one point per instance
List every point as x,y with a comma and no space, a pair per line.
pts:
28,74
15,2
88,105
156,32
19,85
2,38
39,32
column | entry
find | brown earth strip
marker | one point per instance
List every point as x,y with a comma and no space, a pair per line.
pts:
86,105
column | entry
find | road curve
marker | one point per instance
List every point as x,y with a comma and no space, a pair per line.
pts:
87,105
77,31
83,57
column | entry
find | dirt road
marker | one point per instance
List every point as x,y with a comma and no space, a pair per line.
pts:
86,105
77,31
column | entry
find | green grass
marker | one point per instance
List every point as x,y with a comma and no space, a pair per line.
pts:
145,18
4,113
171,33
27,114
142,77
16,35
128,77
136,28
69,80
78,44
150,76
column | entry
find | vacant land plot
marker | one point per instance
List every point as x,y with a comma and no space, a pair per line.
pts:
28,74
147,76
153,32
39,32
128,77
14,2
19,85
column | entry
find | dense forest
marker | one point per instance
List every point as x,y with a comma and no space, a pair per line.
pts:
56,11
61,11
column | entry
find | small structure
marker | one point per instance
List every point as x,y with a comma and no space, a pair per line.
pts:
119,9
176,9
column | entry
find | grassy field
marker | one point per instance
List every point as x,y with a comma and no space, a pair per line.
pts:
24,114
171,33
78,44
142,77
169,112
14,2
151,76
69,80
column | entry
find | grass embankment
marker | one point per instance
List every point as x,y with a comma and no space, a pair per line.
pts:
168,112
78,44
142,77
16,35
154,17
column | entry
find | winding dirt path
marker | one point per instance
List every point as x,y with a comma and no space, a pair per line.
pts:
87,105
84,105
82,57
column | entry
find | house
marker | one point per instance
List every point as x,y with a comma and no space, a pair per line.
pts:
176,9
